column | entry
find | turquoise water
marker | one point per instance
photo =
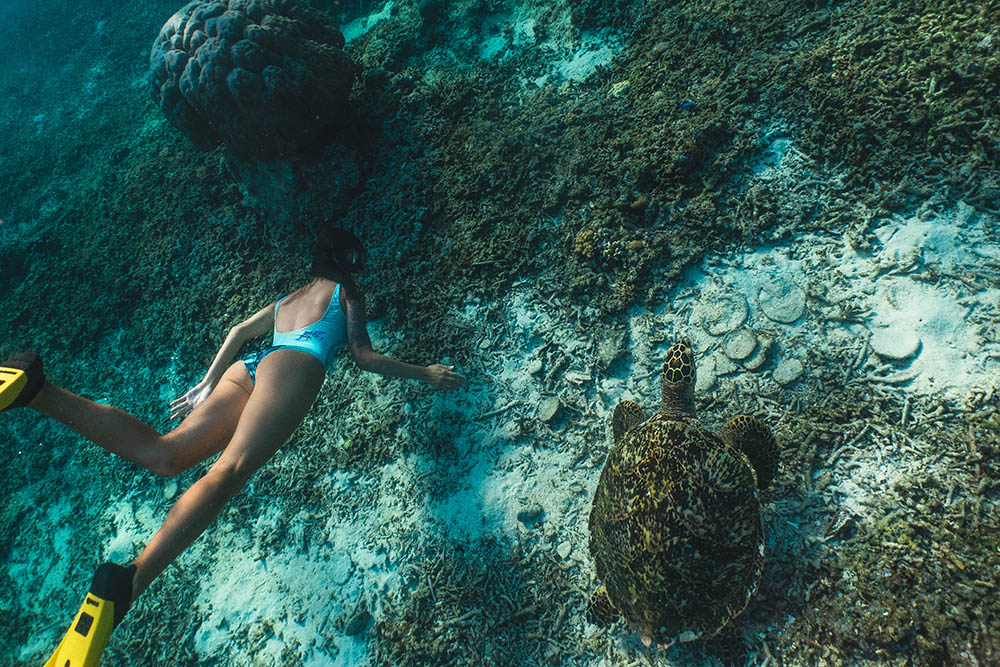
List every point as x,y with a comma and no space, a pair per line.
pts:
550,194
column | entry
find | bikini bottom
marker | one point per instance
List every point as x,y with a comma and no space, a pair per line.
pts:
251,361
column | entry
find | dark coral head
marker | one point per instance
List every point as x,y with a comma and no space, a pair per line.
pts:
678,379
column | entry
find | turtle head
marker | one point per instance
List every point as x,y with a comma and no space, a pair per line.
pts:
678,380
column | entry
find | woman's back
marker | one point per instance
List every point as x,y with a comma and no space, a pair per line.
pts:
304,306
312,320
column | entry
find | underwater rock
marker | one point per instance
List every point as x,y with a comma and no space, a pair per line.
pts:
782,301
722,314
564,550
759,356
265,78
739,344
723,365
787,371
547,408
706,376
895,343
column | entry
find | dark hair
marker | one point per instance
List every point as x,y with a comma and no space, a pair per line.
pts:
336,254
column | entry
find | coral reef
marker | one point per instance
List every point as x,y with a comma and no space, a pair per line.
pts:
481,599
517,210
265,78
909,579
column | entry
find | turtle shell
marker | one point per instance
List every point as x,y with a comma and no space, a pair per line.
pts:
675,530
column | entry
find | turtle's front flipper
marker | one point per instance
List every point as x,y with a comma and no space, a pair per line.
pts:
753,438
600,611
627,414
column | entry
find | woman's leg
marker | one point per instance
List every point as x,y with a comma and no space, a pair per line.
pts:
287,384
203,433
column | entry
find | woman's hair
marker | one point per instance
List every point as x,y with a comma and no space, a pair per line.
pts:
336,254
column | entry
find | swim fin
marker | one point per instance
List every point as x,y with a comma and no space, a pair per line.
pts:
21,377
103,608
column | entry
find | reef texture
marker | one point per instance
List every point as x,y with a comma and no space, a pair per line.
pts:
265,78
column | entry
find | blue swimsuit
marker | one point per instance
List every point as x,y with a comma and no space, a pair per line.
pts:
322,339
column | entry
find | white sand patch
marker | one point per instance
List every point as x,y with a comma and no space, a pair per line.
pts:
297,597
594,50
921,282
361,25
569,58
913,284
132,527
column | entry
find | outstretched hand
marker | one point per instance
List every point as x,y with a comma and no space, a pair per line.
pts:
182,405
443,377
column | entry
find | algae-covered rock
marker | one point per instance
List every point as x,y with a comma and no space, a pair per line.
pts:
788,371
739,344
782,301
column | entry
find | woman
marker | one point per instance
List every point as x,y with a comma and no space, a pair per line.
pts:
246,410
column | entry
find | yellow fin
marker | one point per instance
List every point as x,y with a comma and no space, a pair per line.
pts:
12,381
87,636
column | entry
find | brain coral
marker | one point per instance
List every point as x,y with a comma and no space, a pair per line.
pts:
264,78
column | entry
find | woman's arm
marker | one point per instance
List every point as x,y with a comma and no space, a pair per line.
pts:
257,325
368,359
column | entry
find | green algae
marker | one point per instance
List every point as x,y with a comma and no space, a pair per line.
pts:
478,600
587,152
910,581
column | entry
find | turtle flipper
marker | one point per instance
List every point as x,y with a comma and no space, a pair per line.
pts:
627,414
753,438
600,611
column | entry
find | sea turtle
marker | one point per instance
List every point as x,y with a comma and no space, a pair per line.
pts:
675,529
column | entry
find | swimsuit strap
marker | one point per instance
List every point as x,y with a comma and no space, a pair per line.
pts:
276,304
